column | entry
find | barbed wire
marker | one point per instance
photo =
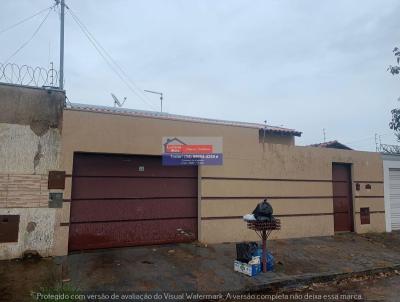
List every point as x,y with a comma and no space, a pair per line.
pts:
389,149
12,73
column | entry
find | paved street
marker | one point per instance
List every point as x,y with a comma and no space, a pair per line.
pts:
383,287
379,287
193,267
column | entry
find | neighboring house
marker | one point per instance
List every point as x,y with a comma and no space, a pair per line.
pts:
391,172
117,192
331,144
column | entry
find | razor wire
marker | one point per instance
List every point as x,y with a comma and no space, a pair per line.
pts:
389,149
26,75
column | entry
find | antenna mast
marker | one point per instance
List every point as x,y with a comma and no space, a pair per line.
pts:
61,83
159,93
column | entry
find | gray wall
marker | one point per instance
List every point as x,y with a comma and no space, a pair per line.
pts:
30,146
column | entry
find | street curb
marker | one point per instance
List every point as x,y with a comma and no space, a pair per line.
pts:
296,282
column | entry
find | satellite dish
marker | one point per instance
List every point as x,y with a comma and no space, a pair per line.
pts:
117,102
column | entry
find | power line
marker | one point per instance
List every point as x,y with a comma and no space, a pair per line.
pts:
110,57
112,64
25,20
30,39
364,139
142,96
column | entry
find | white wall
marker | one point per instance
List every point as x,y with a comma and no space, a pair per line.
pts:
389,162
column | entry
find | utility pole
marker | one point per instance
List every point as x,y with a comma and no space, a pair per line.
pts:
323,131
156,92
61,83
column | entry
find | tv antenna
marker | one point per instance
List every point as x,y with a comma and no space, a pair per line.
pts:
117,103
156,92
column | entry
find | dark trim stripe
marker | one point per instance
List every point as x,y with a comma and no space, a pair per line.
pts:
64,224
374,212
269,197
241,178
283,215
286,179
221,217
360,196
133,220
265,179
222,197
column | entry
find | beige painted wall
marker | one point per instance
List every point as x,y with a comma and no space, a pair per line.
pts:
112,133
298,179
235,230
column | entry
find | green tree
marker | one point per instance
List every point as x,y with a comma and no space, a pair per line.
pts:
395,70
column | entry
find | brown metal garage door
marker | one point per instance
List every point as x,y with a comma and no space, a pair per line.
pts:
120,200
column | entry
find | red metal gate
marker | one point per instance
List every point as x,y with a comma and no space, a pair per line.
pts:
121,200
342,198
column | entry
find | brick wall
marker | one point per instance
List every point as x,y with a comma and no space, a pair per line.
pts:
23,191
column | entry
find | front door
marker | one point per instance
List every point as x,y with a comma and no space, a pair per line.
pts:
342,198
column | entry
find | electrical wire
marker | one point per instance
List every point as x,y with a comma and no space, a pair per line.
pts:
112,64
25,20
109,56
366,138
30,39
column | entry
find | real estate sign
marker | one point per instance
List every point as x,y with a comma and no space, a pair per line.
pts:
191,151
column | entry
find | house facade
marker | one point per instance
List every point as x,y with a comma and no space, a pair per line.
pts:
391,172
116,192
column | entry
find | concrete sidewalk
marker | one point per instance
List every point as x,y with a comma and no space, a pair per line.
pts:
191,267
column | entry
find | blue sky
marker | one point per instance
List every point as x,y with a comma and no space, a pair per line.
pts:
303,64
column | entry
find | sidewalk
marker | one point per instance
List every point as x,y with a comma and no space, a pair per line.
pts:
190,267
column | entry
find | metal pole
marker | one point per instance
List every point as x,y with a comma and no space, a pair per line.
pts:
61,83
264,251
159,93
